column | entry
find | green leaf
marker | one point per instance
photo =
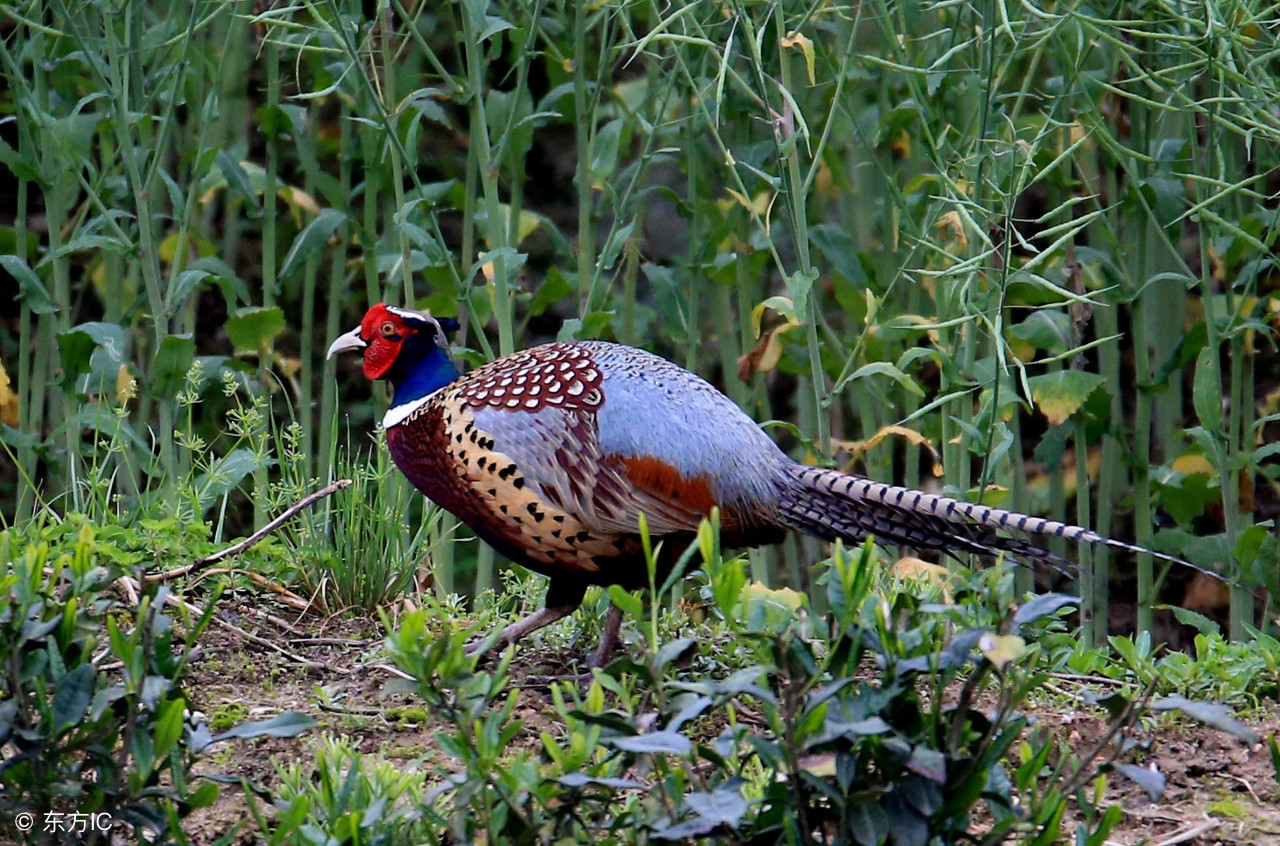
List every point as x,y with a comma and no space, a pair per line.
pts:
799,285
1188,617
185,282
723,806
173,360
30,289
1249,544
882,368
591,326
229,472
929,763
1206,391
554,288
1060,395
671,650
582,780
72,697
630,603
169,726
288,724
23,167
1152,781
727,581
492,26
311,240
79,345
1186,500
654,743
1045,329
238,180
1189,345
204,796
1208,713
604,154
1044,605
252,328
841,252
867,823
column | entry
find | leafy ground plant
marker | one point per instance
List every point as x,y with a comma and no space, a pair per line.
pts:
95,723
890,722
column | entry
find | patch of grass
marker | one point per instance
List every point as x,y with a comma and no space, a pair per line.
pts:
227,715
1229,808
407,714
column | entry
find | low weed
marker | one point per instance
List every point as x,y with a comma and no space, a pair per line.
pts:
94,719
886,720
1241,675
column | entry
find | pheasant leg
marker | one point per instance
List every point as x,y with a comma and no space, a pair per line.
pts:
608,638
526,625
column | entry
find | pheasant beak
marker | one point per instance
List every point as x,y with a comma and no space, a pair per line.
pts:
347,343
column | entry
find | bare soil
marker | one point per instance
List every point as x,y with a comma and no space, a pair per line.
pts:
1220,790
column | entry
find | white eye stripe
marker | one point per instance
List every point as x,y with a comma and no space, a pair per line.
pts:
407,314
422,317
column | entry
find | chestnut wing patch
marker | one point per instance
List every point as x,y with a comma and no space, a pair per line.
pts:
558,453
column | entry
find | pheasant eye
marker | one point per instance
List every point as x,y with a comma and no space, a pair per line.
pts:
388,329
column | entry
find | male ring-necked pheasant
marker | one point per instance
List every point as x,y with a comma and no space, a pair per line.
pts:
552,454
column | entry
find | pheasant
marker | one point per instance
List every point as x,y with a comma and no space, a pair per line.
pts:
552,454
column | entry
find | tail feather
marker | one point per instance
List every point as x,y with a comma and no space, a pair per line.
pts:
830,504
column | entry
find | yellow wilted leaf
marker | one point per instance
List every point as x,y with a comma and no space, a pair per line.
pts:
298,201
741,198
819,766
760,204
525,226
1270,404
919,570
856,448
782,305
126,388
288,366
765,354
796,39
900,147
951,225
1002,650
98,276
8,401
168,249
1190,464
1060,395
825,184
768,609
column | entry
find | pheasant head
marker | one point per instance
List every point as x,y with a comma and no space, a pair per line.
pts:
407,348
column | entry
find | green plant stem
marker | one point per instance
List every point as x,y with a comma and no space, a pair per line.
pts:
1111,475
496,230
1142,510
1093,620
31,375
585,131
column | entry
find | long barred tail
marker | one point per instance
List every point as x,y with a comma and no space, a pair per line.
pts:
829,504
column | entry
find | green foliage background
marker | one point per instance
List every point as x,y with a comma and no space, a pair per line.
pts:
1018,234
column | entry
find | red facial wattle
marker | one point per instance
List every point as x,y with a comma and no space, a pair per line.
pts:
385,333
